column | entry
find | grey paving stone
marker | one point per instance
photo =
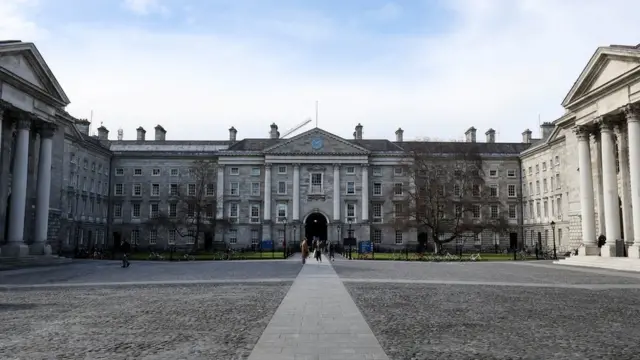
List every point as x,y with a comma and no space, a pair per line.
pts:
415,321
146,322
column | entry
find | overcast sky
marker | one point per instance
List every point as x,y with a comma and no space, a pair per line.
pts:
432,67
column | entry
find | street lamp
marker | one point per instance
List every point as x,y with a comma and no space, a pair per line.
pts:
349,221
553,230
339,237
284,242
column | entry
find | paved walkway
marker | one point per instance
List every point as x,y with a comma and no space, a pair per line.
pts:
318,320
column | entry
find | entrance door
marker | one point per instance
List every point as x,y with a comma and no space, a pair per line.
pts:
315,227
208,241
513,240
117,239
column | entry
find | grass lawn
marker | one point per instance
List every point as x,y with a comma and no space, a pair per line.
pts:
278,255
430,257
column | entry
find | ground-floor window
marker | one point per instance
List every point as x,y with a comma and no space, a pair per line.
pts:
135,237
477,239
399,237
171,237
191,237
153,237
377,236
233,236
281,236
255,237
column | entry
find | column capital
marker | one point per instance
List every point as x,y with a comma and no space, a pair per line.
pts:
4,106
336,166
23,122
365,165
296,166
605,123
620,129
582,132
267,166
47,129
632,112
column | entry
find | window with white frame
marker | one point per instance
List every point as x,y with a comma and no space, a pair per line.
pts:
377,212
552,181
254,210
155,172
558,185
377,188
174,172
376,236
544,185
538,208
255,237
511,190
350,212
233,236
119,172
350,170
457,190
171,237
233,211
173,189
282,169
475,190
281,212
399,237
119,189
155,189
173,210
350,189
255,189
255,171
137,190
191,210
135,237
135,210
234,171
397,210
513,211
398,171
137,172
493,190
282,187
376,171
397,189
209,211
477,239
544,166
191,237
494,211
280,236
117,210
154,210
537,187
546,208
316,183
153,237
537,168
511,173
493,173
210,190
191,189
234,189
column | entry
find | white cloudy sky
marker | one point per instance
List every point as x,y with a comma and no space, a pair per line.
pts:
433,67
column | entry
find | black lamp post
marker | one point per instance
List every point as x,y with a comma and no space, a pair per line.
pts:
284,241
294,234
340,236
350,221
553,230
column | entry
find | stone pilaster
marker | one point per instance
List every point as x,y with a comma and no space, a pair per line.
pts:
610,187
586,193
336,192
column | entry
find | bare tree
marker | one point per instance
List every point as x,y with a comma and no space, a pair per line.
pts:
193,205
446,195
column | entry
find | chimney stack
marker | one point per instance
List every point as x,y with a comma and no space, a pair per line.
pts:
526,136
140,133
232,134
491,135
161,133
83,125
399,134
274,134
546,128
103,133
359,132
470,134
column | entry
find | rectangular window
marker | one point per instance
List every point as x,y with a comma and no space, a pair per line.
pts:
154,210
511,190
135,210
171,237
155,172
397,189
234,189
255,237
493,190
456,190
476,211
173,189
512,211
377,236
544,166
233,211
493,173
173,210
117,210
376,171
155,189
234,171
399,237
553,183
494,211
137,172
351,212
191,237
191,189
316,183
377,213
254,210
476,190
255,189
281,212
233,236
397,210
208,211
135,237
119,172
137,189
255,171
544,185
511,173
282,169
119,189
558,182
153,237
398,171
282,187
546,208
377,188
211,190
350,188
351,170
174,172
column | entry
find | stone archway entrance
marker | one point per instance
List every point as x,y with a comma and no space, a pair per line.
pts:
315,225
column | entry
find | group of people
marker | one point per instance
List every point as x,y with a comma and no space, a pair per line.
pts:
316,246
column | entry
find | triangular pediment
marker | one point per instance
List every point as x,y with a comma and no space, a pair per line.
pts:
605,67
23,60
316,141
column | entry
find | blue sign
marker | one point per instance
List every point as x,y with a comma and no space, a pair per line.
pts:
317,143
365,247
266,245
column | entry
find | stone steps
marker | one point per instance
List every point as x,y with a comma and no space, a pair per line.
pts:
7,263
619,263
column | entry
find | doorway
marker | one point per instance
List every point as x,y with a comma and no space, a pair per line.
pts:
315,226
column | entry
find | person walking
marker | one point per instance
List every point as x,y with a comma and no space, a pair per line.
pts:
332,251
125,247
304,248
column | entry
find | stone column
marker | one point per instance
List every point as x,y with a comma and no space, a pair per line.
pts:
610,186
633,131
3,177
15,246
40,246
586,193
267,192
220,193
625,198
336,192
365,193
599,190
296,192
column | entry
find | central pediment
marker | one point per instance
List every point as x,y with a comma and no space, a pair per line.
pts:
316,142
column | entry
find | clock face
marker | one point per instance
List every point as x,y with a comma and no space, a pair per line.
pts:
317,144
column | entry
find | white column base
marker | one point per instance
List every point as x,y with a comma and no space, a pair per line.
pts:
608,250
14,250
588,250
634,251
40,248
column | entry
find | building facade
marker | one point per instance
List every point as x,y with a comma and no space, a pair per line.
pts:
83,190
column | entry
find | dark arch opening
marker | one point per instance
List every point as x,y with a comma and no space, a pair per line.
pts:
315,227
